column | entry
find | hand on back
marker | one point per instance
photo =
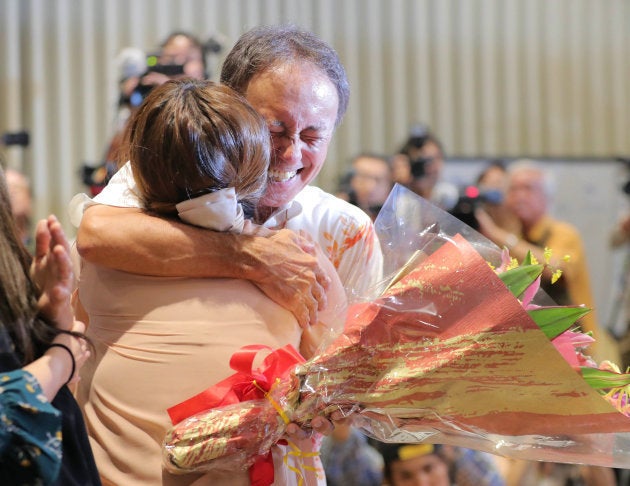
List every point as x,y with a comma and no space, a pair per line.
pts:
292,276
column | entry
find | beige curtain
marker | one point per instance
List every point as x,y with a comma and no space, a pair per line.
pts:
492,77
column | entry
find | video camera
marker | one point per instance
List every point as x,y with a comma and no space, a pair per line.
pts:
140,92
21,139
472,198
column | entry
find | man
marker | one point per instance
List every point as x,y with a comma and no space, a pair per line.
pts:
529,193
424,155
296,82
370,183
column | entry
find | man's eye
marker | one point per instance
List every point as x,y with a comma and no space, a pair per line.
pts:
313,139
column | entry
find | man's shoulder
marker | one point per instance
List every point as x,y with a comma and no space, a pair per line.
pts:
314,200
562,226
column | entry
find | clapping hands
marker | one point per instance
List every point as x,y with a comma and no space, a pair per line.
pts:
52,272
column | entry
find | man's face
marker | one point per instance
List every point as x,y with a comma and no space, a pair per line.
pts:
435,157
427,470
371,181
180,50
299,103
526,196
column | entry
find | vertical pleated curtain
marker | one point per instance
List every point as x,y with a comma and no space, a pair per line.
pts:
493,78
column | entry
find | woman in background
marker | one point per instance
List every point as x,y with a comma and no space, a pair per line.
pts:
42,434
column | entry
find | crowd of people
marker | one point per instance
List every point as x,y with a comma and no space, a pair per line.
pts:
207,235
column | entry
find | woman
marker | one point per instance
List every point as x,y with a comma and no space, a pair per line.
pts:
199,152
42,434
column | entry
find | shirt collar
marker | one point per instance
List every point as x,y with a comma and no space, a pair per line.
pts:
282,215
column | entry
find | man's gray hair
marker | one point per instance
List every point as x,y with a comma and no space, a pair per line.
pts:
265,47
549,183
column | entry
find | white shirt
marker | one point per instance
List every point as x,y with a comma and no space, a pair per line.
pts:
343,231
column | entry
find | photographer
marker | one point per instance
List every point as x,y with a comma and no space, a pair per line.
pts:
488,194
419,164
180,55
529,195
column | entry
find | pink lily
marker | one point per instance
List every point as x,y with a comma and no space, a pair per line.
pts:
569,344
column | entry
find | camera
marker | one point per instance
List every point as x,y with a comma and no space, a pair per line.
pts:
21,139
472,198
96,178
140,92
418,166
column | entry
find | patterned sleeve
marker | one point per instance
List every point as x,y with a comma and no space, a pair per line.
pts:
30,432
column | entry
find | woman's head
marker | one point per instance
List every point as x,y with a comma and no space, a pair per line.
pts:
191,137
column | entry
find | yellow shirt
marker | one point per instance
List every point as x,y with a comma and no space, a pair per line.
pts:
563,240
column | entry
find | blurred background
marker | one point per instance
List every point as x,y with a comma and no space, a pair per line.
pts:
494,79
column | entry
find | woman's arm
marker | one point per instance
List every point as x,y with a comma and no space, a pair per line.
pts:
30,432
283,266
61,362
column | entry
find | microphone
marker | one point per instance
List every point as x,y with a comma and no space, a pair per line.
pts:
445,195
131,62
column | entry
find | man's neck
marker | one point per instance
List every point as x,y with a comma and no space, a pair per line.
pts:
529,225
263,213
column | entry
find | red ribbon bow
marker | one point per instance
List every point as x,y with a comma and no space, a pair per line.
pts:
246,384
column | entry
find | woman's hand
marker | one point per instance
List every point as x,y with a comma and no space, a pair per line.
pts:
52,272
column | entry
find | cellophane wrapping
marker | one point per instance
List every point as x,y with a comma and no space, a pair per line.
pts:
444,354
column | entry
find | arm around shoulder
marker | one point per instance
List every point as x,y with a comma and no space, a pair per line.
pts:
283,265
131,240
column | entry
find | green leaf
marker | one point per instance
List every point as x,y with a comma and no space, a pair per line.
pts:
519,278
555,320
604,379
528,259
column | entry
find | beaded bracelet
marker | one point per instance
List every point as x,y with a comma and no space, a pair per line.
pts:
74,364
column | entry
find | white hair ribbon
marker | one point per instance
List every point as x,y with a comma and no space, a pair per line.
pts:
219,211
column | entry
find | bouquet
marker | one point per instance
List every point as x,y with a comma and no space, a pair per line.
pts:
460,348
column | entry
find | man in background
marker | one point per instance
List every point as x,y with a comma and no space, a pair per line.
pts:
529,195
369,183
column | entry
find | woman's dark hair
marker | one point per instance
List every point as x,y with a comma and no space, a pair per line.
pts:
19,316
263,48
191,137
